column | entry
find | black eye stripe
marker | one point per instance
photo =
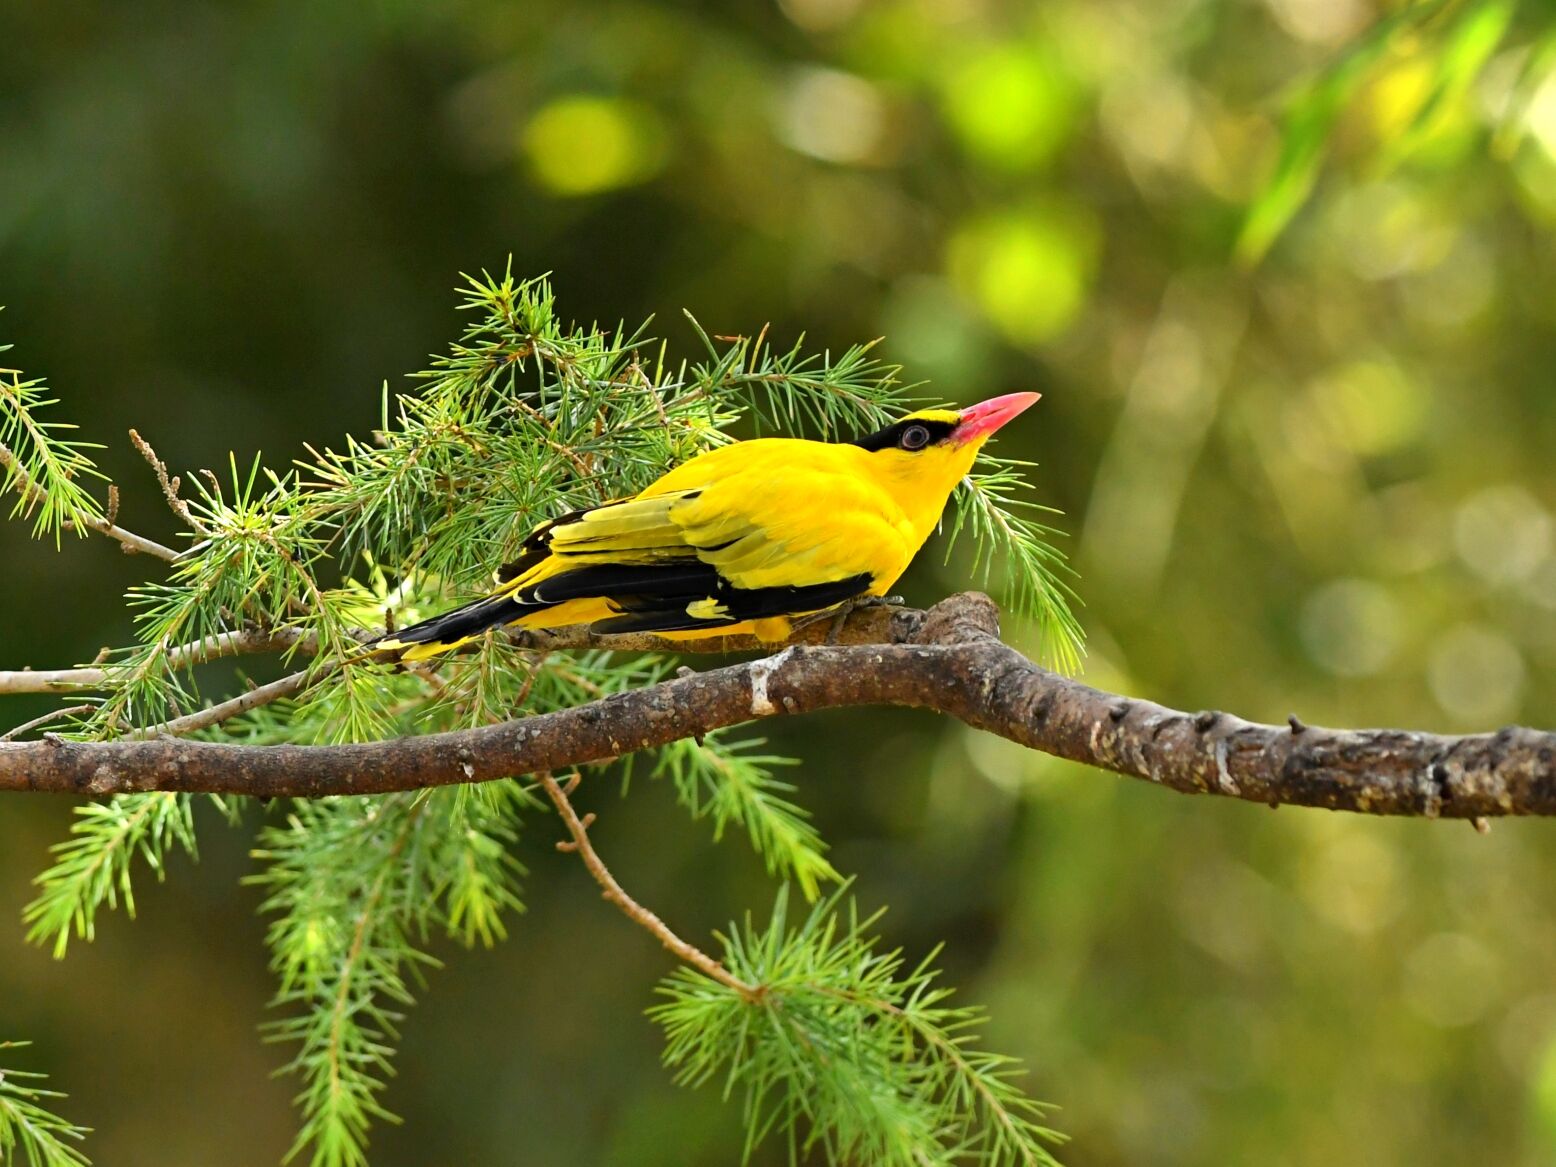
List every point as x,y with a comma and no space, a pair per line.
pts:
892,436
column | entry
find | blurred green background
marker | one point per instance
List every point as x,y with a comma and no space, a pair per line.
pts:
1321,483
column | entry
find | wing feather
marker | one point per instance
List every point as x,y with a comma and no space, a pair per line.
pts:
781,529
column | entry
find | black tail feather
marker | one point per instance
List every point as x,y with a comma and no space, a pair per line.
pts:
469,620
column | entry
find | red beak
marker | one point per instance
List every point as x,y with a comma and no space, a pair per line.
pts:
981,420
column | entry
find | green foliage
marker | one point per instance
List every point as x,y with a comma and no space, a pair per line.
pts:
256,564
43,467
357,885
791,391
721,779
1462,53
1337,464
93,867
1007,539
847,1049
29,1132
1454,43
524,418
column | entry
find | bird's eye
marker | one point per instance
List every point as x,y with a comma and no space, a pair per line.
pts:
915,437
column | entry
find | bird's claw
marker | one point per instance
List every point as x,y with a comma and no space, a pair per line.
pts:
843,613
879,602
858,604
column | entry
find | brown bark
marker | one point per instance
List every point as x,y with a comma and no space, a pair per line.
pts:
948,659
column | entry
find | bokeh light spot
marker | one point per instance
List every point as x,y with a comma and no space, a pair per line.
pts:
1352,879
1451,979
1388,229
1010,106
1502,534
1399,94
1370,407
1150,118
1540,114
1324,22
584,144
1456,292
1351,627
1477,675
820,15
833,116
1028,271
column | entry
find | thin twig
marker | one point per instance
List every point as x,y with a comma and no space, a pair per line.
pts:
53,715
129,540
579,462
169,485
287,686
223,644
636,912
52,680
243,642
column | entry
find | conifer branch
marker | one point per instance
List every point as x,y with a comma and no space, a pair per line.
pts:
277,690
849,1050
196,652
947,659
34,495
29,1131
525,417
44,719
578,828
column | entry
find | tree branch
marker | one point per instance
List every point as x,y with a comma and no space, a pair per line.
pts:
616,894
223,644
44,719
947,659
128,540
287,686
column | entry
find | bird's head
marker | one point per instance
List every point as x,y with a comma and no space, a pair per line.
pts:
934,448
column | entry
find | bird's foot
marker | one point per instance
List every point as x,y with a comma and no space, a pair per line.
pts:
879,602
844,611
839,615
858,604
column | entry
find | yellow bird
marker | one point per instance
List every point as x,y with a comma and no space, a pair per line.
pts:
741,539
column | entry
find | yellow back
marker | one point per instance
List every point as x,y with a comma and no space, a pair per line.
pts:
861,509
